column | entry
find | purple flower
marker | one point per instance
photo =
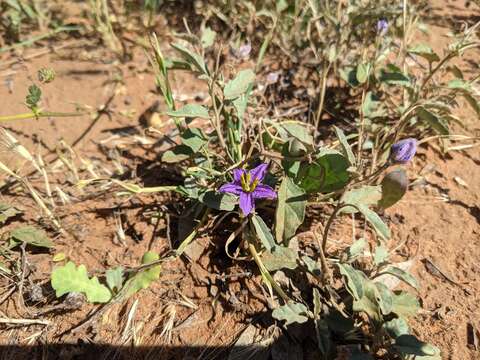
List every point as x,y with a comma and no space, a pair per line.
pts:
248,185
243,52
382,26
404,150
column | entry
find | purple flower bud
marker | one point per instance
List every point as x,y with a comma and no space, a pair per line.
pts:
382,27
403,151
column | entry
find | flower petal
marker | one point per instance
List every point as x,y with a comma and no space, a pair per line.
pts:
231,188
404,150
258,173
264,192
237,175
246,203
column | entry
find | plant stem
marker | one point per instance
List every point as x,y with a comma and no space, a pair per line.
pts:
265,273
32,115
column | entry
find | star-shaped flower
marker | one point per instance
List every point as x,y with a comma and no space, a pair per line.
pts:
248,186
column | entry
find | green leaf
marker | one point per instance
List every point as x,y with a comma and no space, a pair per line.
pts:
381,255
298,130
349,75
291,313
280,258
239,85
192,58
218,201
144,278
69,278
384,298
59,257
354,280
362,73
194,139
208,37
312,265
263,232
396,327
328,173
346,149
436,123
190,111
424,51
177,154
402,275
366,195
356,248
369,301
394,186
34,95
472,102
460,84
394,76
30,235
114,278
372,106
410,345
7,211
405,304
380,227
290,211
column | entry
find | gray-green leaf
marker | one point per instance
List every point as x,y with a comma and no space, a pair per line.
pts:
239,85
291,313
290,211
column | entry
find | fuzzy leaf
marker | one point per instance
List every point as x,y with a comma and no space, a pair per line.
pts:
405,304
402,275
218,201
436,123
424,51
346,148
290,211
354,280
291,313
194,139
7,211
34,95
356,248
69,278
280,258
190,111
299,131
192,58
239,85
410,345
396,327
30,235
143,279
208,37
114,278
263,232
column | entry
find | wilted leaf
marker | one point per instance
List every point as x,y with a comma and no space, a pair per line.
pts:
190,111
369,301
59,257
144,278
239,85
291,313
280,258
30,235
290,211
380,227
114,278
218,201
69,278
472,102
312,265
394,186
263,232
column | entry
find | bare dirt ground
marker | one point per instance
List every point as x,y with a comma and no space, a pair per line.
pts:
209,300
